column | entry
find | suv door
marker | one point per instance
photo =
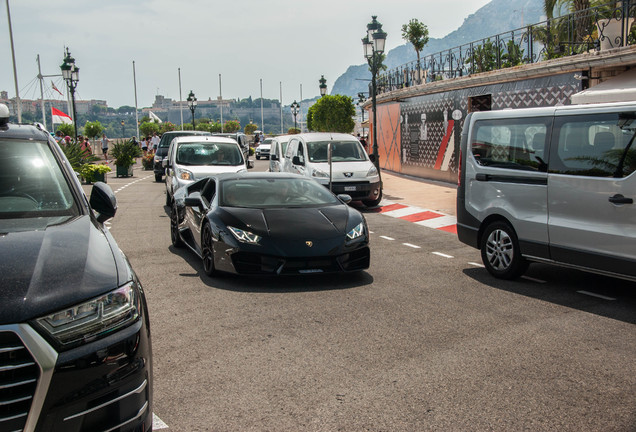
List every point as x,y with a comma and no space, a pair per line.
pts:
592,216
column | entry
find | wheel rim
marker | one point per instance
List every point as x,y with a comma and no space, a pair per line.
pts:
174,225
207,252
499,250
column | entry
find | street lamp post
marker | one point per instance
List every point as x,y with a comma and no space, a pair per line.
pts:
192,104
70,73
323,85
373,44
361,101
295,108
123,135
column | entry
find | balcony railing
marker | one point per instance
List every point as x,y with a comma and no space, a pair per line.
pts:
602,27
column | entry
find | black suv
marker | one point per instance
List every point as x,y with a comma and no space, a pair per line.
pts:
162,149
75,349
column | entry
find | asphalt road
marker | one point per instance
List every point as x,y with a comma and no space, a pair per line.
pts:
424,340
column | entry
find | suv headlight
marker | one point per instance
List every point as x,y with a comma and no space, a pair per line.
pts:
93,319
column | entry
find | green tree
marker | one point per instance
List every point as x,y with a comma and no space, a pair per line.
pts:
232,126
93,129
416,33
147,128
250,128
332,113
66,129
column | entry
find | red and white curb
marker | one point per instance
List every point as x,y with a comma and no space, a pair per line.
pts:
420,216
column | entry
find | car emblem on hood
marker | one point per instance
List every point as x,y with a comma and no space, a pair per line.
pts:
309,243
348,174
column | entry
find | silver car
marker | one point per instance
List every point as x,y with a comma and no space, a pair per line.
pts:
195,157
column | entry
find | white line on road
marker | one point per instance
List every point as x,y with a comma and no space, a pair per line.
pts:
476,264
442,255
157,423
411,245
387,238
596,295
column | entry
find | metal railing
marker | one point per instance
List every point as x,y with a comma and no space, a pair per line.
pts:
602,27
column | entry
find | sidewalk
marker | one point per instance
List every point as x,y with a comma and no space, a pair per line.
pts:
425,194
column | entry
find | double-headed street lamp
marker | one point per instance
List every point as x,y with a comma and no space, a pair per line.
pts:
323,85
295,109
192,104
373,44
70,73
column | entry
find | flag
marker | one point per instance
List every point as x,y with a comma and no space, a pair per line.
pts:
55,88
154,118
58,116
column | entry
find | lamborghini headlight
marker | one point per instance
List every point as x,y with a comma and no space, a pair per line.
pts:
95,318
357,232
244,236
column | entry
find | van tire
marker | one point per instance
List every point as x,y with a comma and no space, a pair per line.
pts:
373,203
500,251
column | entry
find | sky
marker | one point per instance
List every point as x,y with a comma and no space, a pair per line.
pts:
292,42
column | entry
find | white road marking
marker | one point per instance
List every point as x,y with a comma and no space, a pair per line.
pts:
406,211
477,264
596,295
438,222
411,245
387,238
157,423
442,255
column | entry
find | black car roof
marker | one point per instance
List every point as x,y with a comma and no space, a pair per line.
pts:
257,175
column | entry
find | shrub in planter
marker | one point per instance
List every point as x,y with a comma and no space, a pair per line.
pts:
124,154
94,172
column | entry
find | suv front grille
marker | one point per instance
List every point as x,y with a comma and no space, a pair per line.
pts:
18,379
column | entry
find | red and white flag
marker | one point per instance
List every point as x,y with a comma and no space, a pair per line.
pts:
60,116
56,89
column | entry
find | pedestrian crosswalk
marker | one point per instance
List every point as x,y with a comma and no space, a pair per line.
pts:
419,216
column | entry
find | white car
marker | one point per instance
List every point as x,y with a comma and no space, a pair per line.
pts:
263,149
192,158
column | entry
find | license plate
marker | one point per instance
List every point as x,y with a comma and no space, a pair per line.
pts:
349,188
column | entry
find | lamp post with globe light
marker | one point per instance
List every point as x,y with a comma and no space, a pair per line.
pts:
295,108
70,73
192,104
323,85
373,44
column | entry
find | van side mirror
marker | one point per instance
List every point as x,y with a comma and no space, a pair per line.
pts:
296,161
273,157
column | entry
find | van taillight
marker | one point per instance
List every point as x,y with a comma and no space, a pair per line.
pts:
459,170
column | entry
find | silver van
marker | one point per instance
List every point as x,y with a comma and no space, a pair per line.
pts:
277,153
351,171
553,185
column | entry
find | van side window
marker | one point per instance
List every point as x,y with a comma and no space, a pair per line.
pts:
290,149
511,143
599,145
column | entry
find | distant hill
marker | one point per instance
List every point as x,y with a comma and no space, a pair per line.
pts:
496,17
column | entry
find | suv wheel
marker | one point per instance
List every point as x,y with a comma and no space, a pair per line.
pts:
158,178
500,251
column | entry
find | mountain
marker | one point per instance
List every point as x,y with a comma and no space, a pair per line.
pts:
496,17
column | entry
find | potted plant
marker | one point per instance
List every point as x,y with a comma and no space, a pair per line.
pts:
92,173
148,161
124,154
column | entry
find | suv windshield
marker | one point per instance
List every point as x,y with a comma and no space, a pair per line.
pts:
31,182
342,151
208,153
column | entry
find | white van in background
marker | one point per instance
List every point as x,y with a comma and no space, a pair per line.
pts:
553,185
277,153
352,172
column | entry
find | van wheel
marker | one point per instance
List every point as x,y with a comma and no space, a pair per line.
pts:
500,251
373,203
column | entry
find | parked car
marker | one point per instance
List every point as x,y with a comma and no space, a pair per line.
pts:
263,149
194,157
269,224
241,139
277,153
553,185
352,171
75,346
162,149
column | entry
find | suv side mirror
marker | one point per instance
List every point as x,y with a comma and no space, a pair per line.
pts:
103,201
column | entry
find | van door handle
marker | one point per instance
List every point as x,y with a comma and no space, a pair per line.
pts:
620,199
